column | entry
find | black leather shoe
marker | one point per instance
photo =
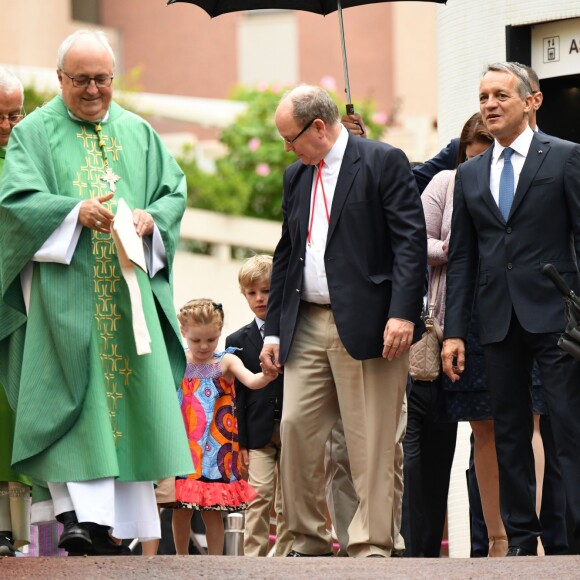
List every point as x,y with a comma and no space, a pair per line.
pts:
295,554
517,551
6,547
103,544
75,538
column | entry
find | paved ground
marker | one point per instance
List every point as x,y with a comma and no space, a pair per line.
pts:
240,568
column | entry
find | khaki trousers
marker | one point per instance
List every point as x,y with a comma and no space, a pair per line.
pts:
15,511
322,383
340,493
264,465
398,540
341,496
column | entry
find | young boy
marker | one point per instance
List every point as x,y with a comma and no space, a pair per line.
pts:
258,414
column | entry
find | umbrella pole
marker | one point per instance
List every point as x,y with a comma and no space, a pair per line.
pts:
349,106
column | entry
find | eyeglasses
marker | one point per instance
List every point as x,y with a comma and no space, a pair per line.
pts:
83,81
304,129
12,118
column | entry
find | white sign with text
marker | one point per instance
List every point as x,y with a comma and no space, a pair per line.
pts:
556,48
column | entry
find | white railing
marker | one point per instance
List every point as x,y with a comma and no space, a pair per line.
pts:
215,275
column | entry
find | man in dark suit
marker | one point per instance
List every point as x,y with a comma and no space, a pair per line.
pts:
345,296
258,413
535,180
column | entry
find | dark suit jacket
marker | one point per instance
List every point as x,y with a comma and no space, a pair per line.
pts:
375,252
543,227
254,408
445,159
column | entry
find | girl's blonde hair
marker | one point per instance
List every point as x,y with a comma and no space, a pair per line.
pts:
201,311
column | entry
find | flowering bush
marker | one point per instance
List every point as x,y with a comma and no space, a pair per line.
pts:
248,179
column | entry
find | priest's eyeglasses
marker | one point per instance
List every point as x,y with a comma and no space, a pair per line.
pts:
304,129
12,118
83,81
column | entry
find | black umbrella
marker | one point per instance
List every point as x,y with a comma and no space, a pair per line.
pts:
323,7
570,339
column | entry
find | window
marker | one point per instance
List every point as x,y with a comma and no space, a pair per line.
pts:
268,48
86,11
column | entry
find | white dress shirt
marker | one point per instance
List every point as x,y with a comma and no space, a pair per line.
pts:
315,287
521,146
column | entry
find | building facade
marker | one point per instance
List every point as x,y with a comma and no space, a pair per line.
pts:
544,35
179,50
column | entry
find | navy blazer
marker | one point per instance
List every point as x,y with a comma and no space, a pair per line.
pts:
445,159
254,408
375,251
543,227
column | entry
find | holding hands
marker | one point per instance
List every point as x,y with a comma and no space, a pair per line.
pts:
232,364
269,361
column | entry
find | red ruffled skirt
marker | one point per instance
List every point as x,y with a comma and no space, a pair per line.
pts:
205,495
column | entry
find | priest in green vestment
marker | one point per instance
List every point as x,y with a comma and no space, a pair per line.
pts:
90,350
14,487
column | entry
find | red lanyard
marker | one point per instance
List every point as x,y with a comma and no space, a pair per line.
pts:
318,180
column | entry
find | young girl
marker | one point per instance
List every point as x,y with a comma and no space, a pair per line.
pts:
206,396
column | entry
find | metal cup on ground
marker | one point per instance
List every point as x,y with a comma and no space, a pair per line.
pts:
234,534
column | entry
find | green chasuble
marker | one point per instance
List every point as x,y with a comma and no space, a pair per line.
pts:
87,406
7,415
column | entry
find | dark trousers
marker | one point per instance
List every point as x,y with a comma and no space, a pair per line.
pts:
509,368
428,450
553,508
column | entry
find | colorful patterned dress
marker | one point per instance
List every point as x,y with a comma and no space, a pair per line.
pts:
207,406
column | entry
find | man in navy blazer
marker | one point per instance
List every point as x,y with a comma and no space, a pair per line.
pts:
345,296
521,313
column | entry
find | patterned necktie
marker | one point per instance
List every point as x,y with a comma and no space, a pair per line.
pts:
262,330
506,184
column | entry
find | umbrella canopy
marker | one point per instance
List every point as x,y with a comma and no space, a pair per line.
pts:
324,7
569,341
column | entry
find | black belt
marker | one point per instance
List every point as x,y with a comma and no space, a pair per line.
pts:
326,306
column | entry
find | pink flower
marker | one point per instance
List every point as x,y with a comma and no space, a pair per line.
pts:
328,82
254,144
263,169
263,86
380,118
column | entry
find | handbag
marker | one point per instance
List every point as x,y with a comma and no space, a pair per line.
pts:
425,354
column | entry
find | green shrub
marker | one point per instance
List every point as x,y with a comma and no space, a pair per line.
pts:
248,179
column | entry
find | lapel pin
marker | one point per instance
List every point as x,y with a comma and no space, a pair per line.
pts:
540,151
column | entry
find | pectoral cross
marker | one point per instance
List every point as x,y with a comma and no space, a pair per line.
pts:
110,177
